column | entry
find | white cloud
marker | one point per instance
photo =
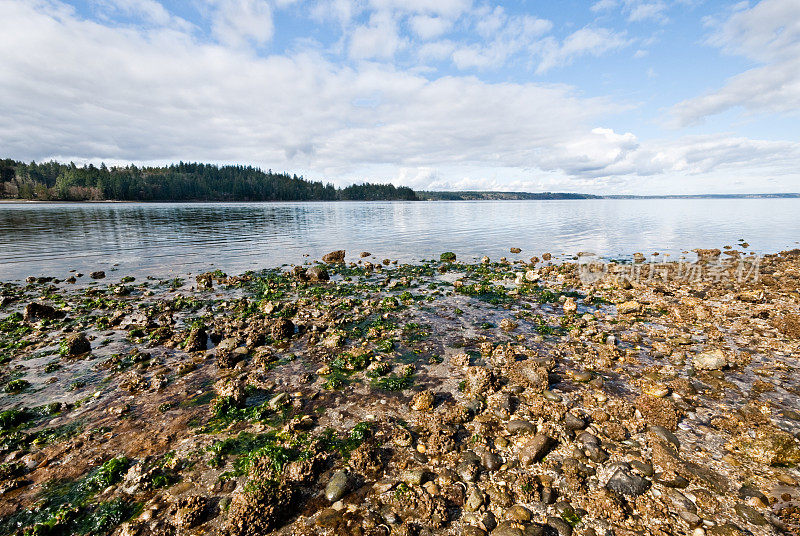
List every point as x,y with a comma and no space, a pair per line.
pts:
427,27
768,33
586,41
237,22
379,39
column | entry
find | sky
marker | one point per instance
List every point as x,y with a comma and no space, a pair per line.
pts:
604,96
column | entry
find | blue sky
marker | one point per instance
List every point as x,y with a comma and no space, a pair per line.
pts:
609,96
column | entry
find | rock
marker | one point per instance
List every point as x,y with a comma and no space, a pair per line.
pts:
337,486
471,530
750,514
536,449
447,256
317,273
76,344
491,461
40,311
573,422
628,307
769,446
329,518
196,341
519,426
713,360
191,511
506,529
474,499
664,434
562,527
519,514
334,257
413,477
422,401
570,307
365,254
625,483
467,471
98,275
515,250
282,329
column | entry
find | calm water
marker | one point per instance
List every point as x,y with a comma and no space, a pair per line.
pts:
175,239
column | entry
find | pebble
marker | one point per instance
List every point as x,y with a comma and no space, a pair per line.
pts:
337,486
625,483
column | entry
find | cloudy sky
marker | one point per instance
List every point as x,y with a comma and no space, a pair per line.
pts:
610,96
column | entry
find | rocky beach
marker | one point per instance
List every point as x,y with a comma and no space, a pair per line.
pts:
362,396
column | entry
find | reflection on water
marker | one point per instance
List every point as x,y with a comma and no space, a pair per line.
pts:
171,239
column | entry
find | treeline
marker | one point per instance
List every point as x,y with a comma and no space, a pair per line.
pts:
53,181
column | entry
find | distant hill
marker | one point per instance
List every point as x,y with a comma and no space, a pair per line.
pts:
483,196
478,195
53,181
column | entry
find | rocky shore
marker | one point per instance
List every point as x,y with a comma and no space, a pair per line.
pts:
507,397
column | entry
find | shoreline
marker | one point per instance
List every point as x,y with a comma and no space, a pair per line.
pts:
438,397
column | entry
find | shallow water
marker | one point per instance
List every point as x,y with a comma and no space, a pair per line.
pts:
174,239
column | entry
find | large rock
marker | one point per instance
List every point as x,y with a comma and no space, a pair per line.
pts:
40,311
196,341
75,344
712,360
282,328
769,446
334,257
626,483
536,449
337,486
317,273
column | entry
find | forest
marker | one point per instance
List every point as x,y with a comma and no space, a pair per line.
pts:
54,181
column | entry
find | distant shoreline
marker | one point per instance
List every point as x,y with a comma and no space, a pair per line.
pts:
425,196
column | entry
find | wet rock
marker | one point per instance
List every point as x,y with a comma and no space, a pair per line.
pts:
750,514
467,471
98,275
536,449
726,529
40,311
520,426
282,329
562,527
422,401
317,273
259,508
329,518
334,257
769,446
519,514
76,344
573,422
491,461
624,482
191,511
570,307
664,434
413,477
507,529
337,486
471,530
196,341
628,307
474,499
712,360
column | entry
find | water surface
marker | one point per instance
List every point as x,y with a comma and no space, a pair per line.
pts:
173,239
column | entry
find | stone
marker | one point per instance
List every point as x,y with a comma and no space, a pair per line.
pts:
628,307
506,529
712,360
520,426
76,344
40,311
536,449
562,527
769,446
98,275
317,273
196,341
337,486
474,499
569,306
467,471
519,513
491,461
282,329
413,477
750,514
626,483
422,401
334,257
